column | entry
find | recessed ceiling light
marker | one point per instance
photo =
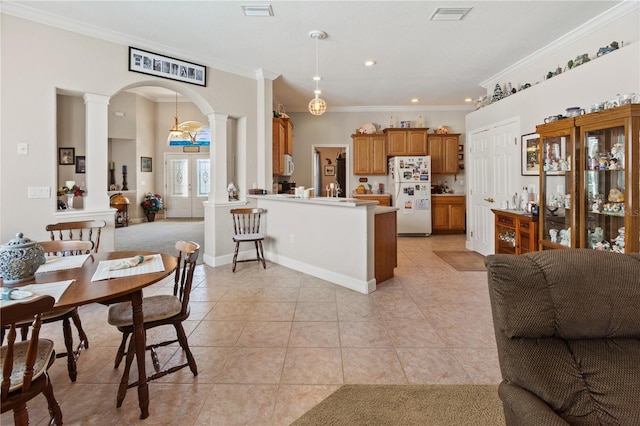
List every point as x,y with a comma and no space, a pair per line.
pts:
369,63
468,100
449,13
415,100
257,10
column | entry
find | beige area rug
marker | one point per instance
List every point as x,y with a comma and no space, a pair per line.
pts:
463,260
432,405
161,235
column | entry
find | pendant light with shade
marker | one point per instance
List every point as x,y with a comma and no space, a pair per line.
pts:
317,106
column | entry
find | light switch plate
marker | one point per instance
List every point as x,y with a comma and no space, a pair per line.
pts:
38,192
23,148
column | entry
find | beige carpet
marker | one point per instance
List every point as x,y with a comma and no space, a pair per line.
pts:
463,260
161,235
432,405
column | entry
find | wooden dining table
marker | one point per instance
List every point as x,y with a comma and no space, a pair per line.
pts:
82,291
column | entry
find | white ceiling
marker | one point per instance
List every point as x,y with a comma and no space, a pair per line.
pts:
440,63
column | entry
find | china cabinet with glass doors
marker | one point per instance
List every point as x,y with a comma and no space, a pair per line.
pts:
610,179
558,211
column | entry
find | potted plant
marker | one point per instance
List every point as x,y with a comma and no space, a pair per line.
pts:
151,205
70,192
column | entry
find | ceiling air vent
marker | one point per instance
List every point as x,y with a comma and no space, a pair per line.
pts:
449,13
257,10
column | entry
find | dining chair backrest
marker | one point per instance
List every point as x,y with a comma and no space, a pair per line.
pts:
246,221
187,257
66,247
10,316
88,230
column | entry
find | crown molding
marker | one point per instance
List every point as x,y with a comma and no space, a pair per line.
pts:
382,108
602,20
25,12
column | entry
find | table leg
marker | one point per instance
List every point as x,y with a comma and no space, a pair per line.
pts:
140,341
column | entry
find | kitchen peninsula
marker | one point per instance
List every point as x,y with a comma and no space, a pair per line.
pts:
335,239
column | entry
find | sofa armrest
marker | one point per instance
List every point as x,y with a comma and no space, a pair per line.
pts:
522,407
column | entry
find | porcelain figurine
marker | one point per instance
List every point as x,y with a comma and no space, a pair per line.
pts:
617,153
615,196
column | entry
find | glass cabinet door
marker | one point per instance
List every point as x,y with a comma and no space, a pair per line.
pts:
604,189
610,176
558,185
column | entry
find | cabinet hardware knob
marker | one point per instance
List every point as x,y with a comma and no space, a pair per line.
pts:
489,200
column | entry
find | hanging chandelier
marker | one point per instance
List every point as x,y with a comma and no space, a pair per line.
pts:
176,127
317,106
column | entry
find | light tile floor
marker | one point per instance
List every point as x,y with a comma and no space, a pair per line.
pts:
270,344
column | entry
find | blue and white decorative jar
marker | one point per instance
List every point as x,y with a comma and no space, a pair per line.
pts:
20,259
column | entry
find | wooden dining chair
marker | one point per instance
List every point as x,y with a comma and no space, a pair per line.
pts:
246,229
25,363
64,248
87,230
159,310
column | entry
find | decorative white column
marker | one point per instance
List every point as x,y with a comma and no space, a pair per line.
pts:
218,152
96,151
264,128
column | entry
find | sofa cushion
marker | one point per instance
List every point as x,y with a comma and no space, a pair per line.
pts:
567,328
550,283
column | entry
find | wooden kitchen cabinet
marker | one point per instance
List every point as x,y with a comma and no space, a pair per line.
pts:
406,141
515,233
448,214
443,150
369,154
282,143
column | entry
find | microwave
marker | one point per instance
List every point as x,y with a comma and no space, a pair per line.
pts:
288,165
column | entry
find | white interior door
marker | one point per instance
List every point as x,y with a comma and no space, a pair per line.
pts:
495,160
187,184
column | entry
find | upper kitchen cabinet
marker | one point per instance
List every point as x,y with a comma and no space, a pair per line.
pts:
369,154
443,150
282,143
406,141
610,179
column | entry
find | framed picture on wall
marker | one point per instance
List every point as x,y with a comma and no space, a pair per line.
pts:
146,164
330,170
66,156
531,154
80,164
163,66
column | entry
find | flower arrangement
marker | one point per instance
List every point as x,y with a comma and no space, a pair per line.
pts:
75,190
152,203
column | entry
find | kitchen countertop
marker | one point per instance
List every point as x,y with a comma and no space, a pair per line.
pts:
335,201
447,195
372,195
384,209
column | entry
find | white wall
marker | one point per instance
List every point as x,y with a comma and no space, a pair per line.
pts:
598,80
38,61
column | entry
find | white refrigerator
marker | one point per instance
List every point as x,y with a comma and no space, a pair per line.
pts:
410,184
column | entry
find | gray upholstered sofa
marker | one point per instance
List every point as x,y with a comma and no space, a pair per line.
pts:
567,326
